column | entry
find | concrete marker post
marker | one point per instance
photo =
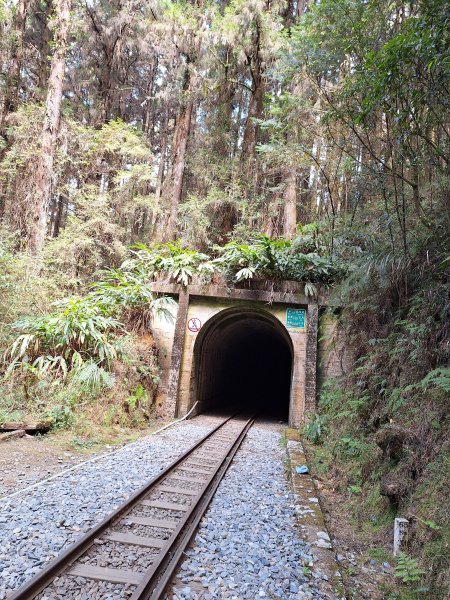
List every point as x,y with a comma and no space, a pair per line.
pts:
400,531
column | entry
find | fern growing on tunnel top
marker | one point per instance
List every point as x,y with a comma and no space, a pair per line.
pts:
262,257
179,263
277,259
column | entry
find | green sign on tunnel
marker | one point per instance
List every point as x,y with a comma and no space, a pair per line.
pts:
295,317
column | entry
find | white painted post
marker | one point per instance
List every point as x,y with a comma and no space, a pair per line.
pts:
400,528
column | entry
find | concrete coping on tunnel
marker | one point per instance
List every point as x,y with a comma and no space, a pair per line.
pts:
263,290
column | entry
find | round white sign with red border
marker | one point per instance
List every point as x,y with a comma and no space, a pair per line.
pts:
194,325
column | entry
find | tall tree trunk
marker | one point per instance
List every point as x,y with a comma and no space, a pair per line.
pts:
161,166
111,37
255,109
289,171
290,202
44,47
58,216
302,6
237,127
180,141
223,119
149,112
39,197
11,97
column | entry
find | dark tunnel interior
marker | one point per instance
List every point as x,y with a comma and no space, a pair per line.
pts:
245,362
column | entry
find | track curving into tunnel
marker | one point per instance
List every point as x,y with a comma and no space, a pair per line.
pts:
243,359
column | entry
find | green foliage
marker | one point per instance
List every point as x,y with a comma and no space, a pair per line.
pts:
264,257
21,292
127,293
83,334
437,377
407,569
395,325
103,206
62,416
92,377
137,397
421,45
315,428
62,339
179,263
3,11
352,447
90,241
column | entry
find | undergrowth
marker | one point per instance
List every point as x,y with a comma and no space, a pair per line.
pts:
382,428
82,362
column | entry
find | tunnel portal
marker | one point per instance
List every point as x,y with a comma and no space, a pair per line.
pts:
243,359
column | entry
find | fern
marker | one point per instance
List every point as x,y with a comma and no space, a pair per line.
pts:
92,377
407,569
438,377
315,428
245,273
86,329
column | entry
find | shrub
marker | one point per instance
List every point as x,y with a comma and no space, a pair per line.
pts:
87,329
315,428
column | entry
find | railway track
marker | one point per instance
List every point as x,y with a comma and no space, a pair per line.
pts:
154,526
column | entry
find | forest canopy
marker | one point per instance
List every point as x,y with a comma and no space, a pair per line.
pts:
149,121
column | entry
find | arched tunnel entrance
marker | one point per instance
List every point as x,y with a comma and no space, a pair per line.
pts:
243,358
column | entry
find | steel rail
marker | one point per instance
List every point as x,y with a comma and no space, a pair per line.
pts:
65,559
153,588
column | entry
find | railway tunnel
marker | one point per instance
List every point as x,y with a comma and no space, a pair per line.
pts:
243,359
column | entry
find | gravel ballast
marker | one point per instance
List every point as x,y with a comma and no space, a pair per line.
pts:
37,524
247,546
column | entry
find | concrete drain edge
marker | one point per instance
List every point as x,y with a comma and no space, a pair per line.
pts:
311,523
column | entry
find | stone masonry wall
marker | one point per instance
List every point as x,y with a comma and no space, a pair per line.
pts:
332,358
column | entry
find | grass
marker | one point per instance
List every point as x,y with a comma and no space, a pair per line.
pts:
82,444
372,511
11,415
282,442
322,459
379,554
96,440
9,410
